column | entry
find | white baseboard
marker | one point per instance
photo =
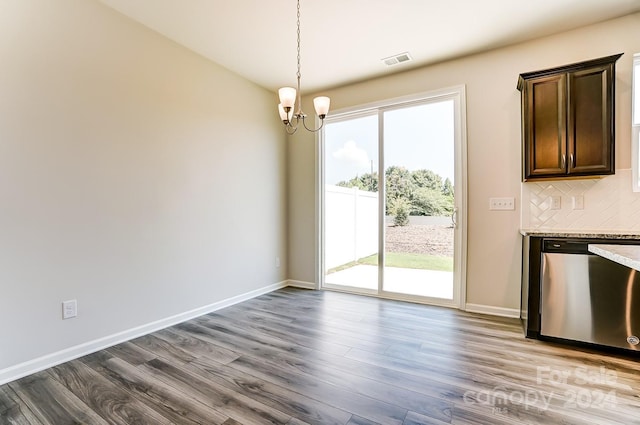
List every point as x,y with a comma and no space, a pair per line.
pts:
32,366
301,284
493,311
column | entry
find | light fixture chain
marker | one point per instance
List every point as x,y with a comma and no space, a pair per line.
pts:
299,113
298,74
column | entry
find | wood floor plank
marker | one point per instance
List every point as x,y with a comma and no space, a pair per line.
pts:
114,405
243,336
232,422
288,333
13,411
296,421
414,418
340,397
311,337
364,406
346,366
53,404
363,386
230,403
279,397
341,364
165,399
196,347
131,353
163,348
357,420
260,315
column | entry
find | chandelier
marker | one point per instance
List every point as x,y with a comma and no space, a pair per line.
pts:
288,101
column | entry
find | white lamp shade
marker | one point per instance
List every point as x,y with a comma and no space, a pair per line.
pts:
321,103
287,97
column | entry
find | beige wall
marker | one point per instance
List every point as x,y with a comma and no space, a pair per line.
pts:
135,176
493,134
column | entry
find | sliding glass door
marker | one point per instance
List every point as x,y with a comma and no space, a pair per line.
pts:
391,194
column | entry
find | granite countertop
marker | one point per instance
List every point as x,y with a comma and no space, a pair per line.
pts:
593,234
627,255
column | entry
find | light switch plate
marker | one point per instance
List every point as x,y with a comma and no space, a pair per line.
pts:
502,204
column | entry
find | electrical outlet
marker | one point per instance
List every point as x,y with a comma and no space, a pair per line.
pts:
556,202
277,261
578,202
502,204
69,309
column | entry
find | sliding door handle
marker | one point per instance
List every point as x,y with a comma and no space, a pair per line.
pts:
454,218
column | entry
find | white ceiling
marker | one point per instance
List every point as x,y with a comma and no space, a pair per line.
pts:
343,41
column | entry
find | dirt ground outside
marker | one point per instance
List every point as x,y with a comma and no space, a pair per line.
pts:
423,235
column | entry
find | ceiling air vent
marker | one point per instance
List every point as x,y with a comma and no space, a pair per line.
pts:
396,59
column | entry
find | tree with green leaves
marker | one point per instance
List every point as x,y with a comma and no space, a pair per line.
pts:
431,202
447,187
420,192
428,179
399,183
400,208
368,182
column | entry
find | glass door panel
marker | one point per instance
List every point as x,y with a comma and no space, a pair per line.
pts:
351,204
419,200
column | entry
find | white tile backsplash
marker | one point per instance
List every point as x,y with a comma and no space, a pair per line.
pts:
609,204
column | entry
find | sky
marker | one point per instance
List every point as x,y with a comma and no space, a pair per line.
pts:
415,137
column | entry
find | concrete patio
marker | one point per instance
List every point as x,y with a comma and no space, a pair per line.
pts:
424,283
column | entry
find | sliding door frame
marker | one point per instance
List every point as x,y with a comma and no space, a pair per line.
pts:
458,95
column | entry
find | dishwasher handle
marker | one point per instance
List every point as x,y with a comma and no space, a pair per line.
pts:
565,246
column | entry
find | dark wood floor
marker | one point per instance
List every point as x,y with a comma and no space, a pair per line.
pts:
296,357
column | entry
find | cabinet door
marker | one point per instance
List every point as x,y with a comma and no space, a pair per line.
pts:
544,106
590,136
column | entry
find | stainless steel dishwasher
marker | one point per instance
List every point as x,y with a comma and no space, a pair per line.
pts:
587,298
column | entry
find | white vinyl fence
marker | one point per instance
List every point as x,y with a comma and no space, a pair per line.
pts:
351,225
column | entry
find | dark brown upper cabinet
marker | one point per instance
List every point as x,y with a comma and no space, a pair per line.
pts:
568,120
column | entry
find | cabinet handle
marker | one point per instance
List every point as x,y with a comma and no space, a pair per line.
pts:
564,161
573,160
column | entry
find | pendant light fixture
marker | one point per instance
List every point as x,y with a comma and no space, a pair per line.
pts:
289,95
